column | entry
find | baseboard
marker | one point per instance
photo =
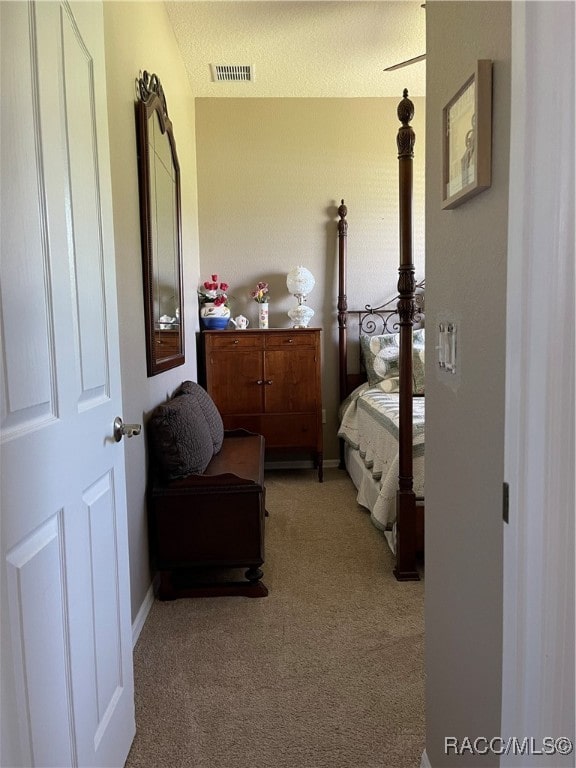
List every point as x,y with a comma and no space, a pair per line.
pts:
328,464
424,762
142,614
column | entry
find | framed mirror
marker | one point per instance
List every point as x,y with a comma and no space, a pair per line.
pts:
160,226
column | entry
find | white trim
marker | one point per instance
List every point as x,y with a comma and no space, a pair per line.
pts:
142,614
424,762
538,622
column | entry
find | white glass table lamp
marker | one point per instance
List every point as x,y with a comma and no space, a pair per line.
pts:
300,282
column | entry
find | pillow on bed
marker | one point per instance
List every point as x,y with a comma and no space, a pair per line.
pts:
418,369
381,359
380,356
390,385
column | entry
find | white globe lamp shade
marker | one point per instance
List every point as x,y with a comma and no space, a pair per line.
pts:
300,281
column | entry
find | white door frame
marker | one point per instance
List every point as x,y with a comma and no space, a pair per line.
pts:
538,639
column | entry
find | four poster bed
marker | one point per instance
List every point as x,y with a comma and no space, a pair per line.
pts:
382,405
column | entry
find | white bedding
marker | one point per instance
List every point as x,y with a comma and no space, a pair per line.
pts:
369,426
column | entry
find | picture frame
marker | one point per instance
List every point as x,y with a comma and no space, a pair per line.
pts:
467,138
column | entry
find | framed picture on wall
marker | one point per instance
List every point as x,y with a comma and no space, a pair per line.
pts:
467,138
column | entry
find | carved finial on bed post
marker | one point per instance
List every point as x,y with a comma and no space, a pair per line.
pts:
342,224
342,300
406,137
405,142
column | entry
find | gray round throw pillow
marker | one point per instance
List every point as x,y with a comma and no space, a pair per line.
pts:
209,410
180,438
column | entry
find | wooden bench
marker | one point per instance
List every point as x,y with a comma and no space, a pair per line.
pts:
206,524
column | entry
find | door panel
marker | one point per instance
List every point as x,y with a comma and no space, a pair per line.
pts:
234,378
83,194
27,401
67,687
293,389
100,513
38,634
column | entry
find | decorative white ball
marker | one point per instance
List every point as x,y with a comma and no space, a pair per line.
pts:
300,281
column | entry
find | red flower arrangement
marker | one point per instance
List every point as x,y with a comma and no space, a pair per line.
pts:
213,291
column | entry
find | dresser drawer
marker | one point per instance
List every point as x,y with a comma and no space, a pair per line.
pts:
167,343
288,339
301,431
232,340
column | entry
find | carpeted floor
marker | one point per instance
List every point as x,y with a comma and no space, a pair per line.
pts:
325,672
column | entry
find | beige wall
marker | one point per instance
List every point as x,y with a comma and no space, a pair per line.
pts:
138,37
271,174
466,250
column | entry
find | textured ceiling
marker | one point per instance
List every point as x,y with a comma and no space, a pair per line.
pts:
305,49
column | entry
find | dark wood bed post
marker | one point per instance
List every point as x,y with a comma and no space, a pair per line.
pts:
342,311
342,299
405,569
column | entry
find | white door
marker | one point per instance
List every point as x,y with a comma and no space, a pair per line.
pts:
67,684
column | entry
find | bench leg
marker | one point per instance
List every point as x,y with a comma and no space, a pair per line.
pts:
254,574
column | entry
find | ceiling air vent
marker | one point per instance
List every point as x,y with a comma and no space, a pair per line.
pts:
232,72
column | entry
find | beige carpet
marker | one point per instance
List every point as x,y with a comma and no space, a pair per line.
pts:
325,672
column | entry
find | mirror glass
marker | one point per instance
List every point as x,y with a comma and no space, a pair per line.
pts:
159,178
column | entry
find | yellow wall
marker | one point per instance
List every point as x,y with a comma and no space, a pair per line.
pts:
271,174
139,36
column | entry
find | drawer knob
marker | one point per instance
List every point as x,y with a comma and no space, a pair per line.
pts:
259,381
269,381
235,341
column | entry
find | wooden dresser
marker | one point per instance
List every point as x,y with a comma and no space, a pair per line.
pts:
269,381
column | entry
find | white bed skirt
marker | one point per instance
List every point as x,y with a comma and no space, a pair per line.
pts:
368,491
368,488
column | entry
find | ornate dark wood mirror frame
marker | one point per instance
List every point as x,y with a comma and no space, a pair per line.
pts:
160,227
